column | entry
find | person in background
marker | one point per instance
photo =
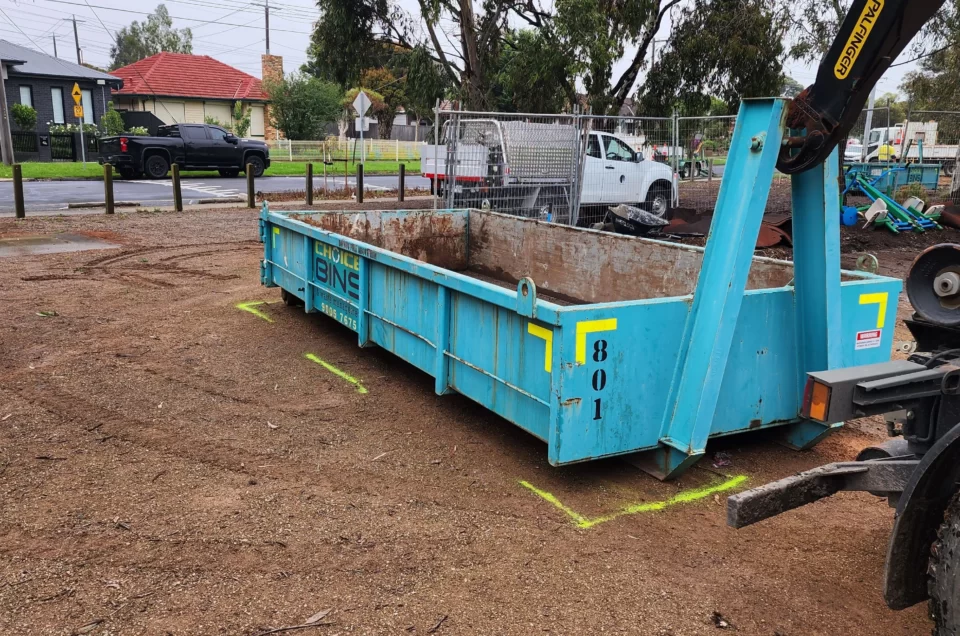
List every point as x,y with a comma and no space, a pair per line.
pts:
886,152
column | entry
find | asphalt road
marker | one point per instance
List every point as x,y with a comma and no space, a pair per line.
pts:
55,195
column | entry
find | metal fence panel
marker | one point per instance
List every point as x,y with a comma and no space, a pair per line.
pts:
63,147
513,163
337,149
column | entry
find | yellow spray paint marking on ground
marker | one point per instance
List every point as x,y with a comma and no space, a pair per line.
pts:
251,307
337,372
685,496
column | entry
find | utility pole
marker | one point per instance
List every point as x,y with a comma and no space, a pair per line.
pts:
76,38
54,45
6,137
266,22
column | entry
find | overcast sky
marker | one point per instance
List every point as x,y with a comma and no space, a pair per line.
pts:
223,29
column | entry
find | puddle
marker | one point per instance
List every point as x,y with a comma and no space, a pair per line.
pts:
28,244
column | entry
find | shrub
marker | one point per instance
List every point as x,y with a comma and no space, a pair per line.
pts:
138,131
914,189
88,129
25,117
241,119
111,123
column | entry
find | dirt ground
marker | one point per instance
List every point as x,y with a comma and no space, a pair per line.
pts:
171,464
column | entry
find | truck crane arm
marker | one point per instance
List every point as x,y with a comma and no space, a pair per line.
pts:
871,37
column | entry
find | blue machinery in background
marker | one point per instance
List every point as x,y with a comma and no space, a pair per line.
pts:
652,378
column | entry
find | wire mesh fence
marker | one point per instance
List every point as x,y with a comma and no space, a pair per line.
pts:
338,149
700,157
568,168
514,163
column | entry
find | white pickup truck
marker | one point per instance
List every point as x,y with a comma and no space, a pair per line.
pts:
518,166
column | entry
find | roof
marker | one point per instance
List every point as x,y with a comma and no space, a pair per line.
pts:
182,75
30,62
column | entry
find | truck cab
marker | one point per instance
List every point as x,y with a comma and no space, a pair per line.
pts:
614,173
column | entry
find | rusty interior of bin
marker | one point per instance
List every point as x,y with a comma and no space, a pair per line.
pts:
570,264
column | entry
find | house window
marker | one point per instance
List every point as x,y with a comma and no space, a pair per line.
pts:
86,98
26,96
56,95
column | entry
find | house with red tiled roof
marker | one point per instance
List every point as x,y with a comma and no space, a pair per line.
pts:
180,88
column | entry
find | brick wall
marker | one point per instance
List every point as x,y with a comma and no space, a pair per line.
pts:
43,100
271,71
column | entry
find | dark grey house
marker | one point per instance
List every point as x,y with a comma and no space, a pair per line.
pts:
45,83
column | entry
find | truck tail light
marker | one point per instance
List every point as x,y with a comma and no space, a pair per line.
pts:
123,144
816,401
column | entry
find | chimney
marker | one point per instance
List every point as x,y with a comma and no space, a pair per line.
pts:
271,70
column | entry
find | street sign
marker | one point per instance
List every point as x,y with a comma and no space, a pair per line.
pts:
77,95
361,104
78,111
361,123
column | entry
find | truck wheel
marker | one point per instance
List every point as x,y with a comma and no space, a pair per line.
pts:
156,167
949,168
944,572
256,164
229,174
658,199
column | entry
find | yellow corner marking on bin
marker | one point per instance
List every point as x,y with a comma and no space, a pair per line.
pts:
879,298
251,307
591,326
337,372
686,496
276,233
547,336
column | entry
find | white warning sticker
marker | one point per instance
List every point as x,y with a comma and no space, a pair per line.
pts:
868,339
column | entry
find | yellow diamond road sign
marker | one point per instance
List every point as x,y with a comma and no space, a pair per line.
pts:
76,93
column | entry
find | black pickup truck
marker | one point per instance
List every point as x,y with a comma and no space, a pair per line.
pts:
191,146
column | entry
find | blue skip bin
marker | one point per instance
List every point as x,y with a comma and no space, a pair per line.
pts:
595,342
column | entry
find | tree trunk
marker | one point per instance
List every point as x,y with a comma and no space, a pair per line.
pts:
473,72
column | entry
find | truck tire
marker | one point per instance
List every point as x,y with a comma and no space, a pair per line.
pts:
658,199
256,163
949,168
944,572
156,166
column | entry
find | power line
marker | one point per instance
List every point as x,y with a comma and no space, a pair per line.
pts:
91,6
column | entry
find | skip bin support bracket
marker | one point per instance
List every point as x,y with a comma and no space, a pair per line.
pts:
816,270
715,307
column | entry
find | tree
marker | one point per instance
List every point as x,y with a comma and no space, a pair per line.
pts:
153,35
791,87
529,77
25,117
347,112
392,97
241,119
466,41
111,123
301,106
423,78
724,49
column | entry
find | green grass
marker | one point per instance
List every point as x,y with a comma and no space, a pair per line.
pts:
58,170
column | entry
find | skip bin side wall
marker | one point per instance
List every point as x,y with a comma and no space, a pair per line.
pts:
473,337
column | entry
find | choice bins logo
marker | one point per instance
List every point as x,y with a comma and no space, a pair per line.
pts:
868,18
